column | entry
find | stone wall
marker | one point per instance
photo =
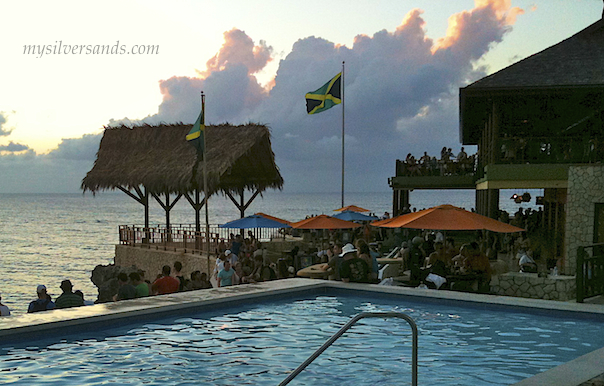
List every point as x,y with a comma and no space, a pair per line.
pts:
529,285
585,189
151,260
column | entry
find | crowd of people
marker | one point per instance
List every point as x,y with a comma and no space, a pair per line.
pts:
427,165
68,298
429,258
436,262
239,261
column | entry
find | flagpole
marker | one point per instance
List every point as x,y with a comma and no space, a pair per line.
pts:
205,177
342,83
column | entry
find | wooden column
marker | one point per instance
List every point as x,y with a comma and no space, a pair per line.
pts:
143,199
242,205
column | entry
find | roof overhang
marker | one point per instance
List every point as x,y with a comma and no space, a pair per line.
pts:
526,176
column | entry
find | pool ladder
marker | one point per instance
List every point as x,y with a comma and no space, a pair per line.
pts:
350,324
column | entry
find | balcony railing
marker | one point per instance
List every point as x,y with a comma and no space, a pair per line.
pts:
551,150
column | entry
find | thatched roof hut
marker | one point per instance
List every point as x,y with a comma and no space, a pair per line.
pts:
153,161
160,159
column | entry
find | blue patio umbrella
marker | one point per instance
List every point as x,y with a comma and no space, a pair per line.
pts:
254,221
349,215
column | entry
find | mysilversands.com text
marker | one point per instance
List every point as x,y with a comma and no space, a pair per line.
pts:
89,49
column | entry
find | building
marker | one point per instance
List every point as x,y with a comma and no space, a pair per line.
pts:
538,124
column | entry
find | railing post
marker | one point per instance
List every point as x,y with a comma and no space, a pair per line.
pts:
580,274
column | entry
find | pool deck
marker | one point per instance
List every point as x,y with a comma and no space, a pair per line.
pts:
573,373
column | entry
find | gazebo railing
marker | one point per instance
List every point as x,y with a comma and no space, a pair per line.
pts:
183,237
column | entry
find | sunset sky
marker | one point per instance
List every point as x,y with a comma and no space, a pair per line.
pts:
255,60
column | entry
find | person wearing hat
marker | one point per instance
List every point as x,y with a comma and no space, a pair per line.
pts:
68,299
353,268
4,310
43,302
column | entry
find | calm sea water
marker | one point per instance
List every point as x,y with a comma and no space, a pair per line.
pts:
45,238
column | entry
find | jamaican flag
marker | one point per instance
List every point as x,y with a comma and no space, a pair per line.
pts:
329,95
196,135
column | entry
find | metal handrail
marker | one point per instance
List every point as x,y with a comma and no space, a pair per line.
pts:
350,324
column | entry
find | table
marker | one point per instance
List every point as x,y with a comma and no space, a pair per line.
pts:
316,271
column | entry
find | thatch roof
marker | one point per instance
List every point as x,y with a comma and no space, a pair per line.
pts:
159,158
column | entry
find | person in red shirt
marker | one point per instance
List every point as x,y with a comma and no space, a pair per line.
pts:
165,284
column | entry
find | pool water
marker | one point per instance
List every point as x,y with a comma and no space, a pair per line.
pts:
261,343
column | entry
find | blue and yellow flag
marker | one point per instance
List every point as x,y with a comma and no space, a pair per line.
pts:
326,97
197,133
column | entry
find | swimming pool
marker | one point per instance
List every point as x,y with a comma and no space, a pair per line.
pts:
260,343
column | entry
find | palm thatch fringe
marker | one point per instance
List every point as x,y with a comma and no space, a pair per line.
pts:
160,159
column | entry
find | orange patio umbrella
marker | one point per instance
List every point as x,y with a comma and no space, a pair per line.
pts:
352,208
324,222
446,218
273,218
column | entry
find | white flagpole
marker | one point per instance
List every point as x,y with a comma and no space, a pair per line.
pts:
205,176
342,96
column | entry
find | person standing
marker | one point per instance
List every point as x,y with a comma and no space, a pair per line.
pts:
68,299
42,303
4,310
225,276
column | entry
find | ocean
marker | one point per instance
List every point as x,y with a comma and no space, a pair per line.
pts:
46,238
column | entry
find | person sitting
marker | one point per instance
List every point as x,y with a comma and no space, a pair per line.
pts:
225,276
195,283
415,261
42,303
267,273
4,310
126,291
477,268
526,263
334,263
178,275
68,298
353,268
439,255
365,253
205,283
141,287
165,284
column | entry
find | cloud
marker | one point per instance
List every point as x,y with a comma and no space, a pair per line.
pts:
401,95
13,147
4,132
401,91
77,149
59,171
